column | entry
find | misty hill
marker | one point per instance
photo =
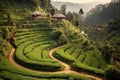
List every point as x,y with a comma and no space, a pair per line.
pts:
101,14
75,7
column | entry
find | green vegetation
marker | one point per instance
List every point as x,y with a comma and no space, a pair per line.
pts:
8,71
102,10
34,38
90,61
81,54
33,48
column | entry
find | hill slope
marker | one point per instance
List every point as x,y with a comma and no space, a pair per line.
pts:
34,38
101,14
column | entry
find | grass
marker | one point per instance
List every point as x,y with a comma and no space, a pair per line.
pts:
90,60
33,53
87,68
31,33
11,72
36,54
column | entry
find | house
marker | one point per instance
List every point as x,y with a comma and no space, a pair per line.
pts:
58,17
36,14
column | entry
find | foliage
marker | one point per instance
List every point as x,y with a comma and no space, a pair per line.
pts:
56,35
63,9
74,18
91,59
112,73
106,12
33,41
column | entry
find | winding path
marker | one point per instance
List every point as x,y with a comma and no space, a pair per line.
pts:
66,66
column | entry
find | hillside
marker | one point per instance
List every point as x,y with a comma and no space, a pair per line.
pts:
40,48
101,14
103,27
114,35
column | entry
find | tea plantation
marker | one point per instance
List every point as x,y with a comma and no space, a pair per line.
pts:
33,39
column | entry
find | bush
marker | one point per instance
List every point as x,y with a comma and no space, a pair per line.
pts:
64,57
56,35
112,73
79,66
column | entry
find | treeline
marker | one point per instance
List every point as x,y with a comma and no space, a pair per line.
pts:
114,36
73,17
101,14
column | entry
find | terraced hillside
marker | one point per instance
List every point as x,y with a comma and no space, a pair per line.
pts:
44,50
90,61
33,45
80,54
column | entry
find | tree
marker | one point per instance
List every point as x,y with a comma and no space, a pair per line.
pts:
56,34
112,73
63,9
76,23
53,11
81,11
108,52
69,16
37,4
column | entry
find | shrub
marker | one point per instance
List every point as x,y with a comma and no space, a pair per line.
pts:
112,73
56,35
64,57
79,66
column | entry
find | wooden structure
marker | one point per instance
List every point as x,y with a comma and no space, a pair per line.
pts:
36,14
59,17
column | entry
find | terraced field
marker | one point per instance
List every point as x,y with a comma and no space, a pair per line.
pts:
41,57
33,45
90,61
33,41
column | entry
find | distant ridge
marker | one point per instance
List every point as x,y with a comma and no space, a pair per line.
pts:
74,7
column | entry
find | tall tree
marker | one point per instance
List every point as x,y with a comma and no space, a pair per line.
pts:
52,11
37,4
63,9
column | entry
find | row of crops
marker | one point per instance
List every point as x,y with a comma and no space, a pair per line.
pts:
90,61
32,47
32,41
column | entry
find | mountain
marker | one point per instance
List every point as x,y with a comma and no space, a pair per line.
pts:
75,7
101,14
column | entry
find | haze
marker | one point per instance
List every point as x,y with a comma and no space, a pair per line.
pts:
83,1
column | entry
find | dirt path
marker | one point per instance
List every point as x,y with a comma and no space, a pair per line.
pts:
66,66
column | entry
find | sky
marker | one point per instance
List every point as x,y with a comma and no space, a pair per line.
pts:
83,1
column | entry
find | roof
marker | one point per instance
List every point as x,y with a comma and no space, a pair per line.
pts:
36,13
58,16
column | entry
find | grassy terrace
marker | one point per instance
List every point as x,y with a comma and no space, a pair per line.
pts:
33,42
32,49
80,54
33,46
89,61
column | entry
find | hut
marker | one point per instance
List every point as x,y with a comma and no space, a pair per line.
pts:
59,17
36,14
